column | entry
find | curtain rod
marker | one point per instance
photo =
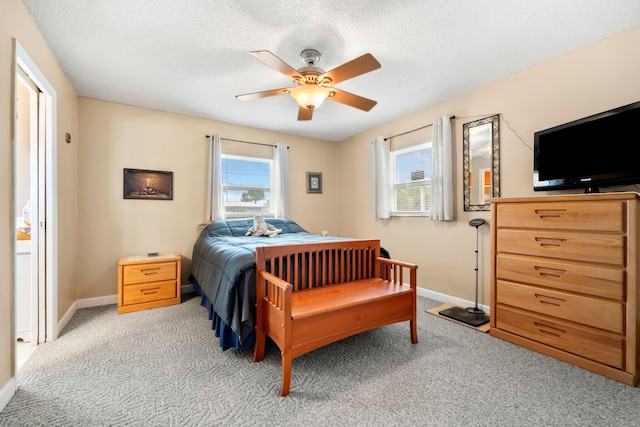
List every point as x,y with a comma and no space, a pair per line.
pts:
246,142
413,130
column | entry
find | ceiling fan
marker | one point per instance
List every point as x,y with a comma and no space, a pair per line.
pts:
313,84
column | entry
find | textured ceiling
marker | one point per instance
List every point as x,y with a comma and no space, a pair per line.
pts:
192,56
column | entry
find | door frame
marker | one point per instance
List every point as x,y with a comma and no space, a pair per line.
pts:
47,221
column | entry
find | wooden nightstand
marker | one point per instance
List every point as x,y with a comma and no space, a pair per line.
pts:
148,282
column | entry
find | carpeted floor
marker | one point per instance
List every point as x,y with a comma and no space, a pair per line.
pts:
163,367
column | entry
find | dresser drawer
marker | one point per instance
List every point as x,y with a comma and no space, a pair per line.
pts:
596,312
147,292
601,216
591,344
605,282
152,272
570,245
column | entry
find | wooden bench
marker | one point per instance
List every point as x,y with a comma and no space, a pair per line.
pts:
310,295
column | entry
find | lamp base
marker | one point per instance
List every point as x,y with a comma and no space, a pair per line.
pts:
474,310
462,315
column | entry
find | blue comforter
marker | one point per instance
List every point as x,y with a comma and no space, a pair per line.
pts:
223,265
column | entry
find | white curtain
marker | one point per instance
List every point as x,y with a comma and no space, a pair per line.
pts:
441,171
381,184
215,201
280,190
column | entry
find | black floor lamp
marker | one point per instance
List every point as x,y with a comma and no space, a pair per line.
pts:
473,316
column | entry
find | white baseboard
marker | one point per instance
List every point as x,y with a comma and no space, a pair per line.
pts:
7,392
67,316
98,301
444,298
85,303
187,288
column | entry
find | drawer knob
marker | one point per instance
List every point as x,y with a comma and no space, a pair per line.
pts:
150,291
549,330
550,273
549,300
550,242
550,213
150,271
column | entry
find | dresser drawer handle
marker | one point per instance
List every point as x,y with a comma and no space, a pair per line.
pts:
150,271
150,291
550,273
553,332
550,242
550,213
554,301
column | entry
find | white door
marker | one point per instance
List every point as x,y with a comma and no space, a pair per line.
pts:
42,195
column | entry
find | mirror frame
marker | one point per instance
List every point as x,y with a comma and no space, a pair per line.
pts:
495,161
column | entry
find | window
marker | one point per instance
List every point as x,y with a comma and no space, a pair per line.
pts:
411,178
246,186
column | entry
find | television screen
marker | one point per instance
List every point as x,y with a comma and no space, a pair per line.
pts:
599,150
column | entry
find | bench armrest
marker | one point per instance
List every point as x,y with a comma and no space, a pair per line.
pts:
277,292
393,271
282,284
400,263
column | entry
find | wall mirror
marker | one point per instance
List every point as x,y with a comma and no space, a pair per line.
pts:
481,162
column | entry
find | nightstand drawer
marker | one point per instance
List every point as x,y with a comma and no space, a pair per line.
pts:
144,273
589,247
136,294
605,282
601,216
592,344
597,312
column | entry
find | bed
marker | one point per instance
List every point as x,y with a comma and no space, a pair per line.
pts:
224,274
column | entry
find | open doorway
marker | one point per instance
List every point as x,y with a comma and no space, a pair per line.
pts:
34,199
26,190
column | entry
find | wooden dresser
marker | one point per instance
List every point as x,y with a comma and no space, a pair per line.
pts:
148,282
564,279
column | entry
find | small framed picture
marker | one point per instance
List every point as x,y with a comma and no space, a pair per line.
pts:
314,182
147,184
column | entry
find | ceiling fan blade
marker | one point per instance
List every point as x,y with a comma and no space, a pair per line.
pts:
305,113
276,63
353,68
352,100
263,94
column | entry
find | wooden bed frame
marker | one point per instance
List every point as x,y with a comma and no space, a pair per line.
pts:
310,295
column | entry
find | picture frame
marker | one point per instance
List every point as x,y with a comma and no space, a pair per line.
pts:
147,184
314,182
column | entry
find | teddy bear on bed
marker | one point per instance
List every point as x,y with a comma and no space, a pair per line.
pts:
261,228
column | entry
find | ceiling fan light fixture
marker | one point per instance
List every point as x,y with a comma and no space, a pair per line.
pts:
310,96
312,84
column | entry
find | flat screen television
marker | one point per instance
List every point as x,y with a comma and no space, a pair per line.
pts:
596,151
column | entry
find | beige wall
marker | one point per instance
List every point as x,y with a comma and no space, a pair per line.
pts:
587,81
15,22
115,136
